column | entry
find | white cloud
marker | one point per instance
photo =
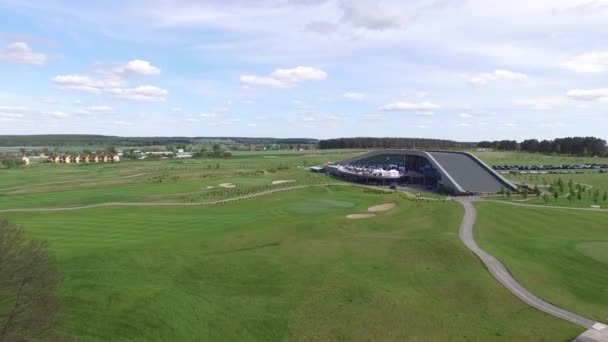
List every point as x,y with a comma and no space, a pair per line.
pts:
465,115
546,103
20,52
593,63
7,115
374,117
122,123
138,67
58,114
463,124
589,94
100,108
423,108
78,83
285,78
353,96
177,109
366,15
208,115
115,83
499,75
141,93
252,125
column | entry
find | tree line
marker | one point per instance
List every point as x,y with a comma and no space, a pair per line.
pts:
368,142
105,140
579,146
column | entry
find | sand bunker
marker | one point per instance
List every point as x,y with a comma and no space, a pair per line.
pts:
360,216
283,181
223,185
381,207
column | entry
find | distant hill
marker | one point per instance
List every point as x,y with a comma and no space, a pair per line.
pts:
64,140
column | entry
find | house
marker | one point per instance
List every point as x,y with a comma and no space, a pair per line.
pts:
76,159
95,159
115,158
65,159
85,158
25,160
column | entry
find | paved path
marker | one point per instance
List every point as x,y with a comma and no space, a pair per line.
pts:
502,274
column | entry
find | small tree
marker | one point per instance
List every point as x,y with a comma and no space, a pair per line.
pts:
579,196
537,191
524,193
502,191
546,198
508,193
555,195
28,284
605,197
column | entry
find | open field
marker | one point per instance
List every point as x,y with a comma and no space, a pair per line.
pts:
285,266
174,180
562,256
523,158
290,265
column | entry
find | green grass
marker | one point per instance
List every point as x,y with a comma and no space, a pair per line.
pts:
49,185
559,255
287,266
524,158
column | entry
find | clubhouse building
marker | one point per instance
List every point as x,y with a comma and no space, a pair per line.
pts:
458,173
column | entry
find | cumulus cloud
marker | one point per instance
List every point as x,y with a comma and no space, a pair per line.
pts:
115,83
496,76
285,78
122,123
137,67
208,115
465,115
546,103
252,125
79,83
141,93
593,63
353,96
58,114
100,108
366,15
592,95
20,52
423,108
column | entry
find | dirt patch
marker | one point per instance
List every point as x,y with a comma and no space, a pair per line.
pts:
381,207
360,216
283,181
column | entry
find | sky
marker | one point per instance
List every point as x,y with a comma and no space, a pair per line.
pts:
466,70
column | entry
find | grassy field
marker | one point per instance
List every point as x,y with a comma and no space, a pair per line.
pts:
286,266
49,185
562,256
523,158
290,265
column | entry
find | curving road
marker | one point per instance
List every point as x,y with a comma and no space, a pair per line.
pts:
502,274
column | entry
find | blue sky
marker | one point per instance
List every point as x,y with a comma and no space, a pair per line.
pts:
459,69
